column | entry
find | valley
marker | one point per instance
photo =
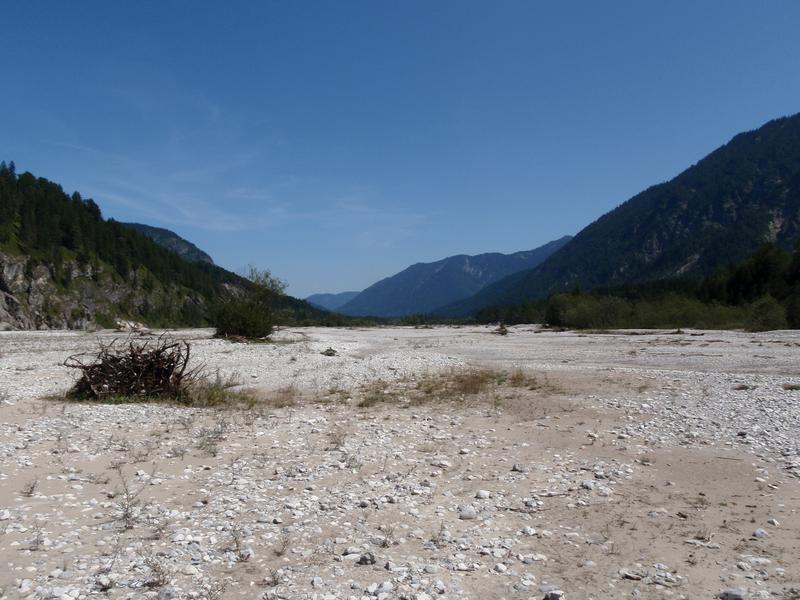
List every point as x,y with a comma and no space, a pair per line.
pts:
439,462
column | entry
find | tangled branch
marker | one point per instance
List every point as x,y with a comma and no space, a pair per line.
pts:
134,368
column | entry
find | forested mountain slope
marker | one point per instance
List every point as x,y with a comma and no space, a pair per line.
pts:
62,265
172,241
717,212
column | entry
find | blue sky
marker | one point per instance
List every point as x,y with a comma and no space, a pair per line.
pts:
336,143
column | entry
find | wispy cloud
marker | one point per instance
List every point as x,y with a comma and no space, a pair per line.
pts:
213,169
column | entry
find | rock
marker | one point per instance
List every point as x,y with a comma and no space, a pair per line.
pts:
467,513
760,533
368,558
733,594
483,494
554,595
329,352
168,592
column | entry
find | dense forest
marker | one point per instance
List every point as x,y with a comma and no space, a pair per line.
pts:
38,219
761,293
84,254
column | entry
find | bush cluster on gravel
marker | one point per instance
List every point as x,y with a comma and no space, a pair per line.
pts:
147,370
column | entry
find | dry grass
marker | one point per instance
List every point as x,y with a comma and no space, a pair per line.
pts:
457,385
282,398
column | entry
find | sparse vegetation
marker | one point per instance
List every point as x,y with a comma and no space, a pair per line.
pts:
456,385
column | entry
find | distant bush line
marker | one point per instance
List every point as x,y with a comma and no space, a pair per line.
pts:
761,294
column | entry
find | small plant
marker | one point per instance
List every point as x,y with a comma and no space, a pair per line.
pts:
29,489
272,578
37,541
129,504
282,545
441,537
240,552
337,437
158,572
177,451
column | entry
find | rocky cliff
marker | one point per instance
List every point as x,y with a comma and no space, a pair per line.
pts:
80,296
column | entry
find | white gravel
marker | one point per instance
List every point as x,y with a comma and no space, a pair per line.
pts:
325,501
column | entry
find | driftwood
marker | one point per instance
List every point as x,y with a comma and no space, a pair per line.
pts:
133,368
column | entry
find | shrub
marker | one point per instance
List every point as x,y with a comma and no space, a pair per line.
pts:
250,315
766,314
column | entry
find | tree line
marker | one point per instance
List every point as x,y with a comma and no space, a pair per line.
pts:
761,293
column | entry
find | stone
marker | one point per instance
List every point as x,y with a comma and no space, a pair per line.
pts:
733,594
368,558
483,494
167,592
467,513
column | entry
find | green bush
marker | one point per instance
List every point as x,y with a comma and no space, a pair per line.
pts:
248,317
766,314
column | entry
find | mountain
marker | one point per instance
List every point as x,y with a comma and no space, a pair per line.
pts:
62,265
331,301
717,212
424,287
172,241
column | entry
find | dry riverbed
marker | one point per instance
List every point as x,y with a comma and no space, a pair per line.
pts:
415,463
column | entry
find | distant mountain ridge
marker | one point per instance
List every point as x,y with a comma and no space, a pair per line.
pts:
331,301
423,287
716,212
172,241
